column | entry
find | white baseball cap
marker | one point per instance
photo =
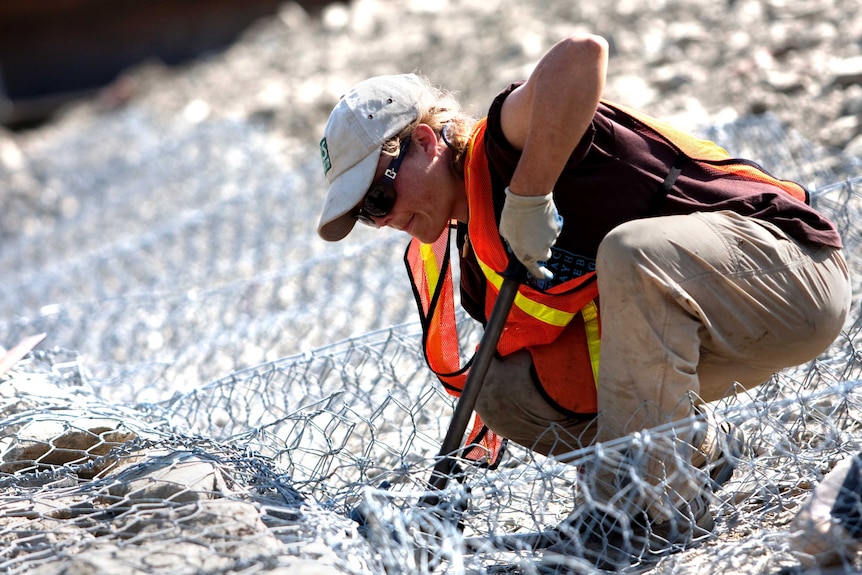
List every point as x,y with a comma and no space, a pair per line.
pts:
370,114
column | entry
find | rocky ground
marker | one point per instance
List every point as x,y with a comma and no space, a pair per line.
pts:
695,62
169,220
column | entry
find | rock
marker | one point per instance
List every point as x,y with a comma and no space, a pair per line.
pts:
176,477
854,147
18,394
852,105
44,443
842,130
11,157
208,536
784,82
847,71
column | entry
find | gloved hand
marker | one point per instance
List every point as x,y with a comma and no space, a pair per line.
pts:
531,225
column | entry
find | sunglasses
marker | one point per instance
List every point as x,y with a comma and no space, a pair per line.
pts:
380,197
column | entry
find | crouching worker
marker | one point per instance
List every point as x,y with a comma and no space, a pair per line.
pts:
661,271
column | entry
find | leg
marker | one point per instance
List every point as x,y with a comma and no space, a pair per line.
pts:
512,406
716,292
713,294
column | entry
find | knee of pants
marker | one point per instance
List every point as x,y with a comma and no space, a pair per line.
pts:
506,384
621,250
511,404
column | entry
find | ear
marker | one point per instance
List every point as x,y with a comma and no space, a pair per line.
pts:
425,139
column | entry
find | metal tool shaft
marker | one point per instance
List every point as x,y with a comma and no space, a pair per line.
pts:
475,378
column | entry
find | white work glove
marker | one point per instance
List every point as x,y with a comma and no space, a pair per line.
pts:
531,225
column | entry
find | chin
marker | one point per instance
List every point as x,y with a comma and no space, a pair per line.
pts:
429,237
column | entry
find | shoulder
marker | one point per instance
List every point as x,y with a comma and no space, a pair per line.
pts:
495,127
502,155
515,114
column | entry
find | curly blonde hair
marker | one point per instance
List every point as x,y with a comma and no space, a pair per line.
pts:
447,120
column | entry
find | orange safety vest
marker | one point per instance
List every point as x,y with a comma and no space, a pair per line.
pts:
538,320
560,327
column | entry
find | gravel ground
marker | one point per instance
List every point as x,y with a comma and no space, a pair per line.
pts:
694,62
169,221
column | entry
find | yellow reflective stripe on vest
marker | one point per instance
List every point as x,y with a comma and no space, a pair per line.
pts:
532,308
432,269
590,314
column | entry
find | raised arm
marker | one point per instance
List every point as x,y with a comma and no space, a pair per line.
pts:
545,118
547,115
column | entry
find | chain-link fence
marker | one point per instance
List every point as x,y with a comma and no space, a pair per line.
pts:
135,453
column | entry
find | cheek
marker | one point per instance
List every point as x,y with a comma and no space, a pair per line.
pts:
428,206
411,195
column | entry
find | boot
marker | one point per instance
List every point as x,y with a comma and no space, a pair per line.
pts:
720,450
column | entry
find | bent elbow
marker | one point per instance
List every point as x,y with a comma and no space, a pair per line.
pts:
588,46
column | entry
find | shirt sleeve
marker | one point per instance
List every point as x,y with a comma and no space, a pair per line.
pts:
503,157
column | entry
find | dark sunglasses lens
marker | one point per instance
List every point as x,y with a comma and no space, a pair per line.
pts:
363,219
379,201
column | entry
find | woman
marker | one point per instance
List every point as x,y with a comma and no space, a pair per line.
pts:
710,271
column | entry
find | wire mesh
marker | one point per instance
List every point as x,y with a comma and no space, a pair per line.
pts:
315,455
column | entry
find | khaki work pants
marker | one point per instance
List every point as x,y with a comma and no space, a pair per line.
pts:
690,304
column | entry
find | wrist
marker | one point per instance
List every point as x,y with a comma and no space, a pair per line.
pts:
527,200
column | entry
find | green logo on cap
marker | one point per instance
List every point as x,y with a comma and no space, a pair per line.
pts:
324,155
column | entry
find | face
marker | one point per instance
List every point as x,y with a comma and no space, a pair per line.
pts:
427,195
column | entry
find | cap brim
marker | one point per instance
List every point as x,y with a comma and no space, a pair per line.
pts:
345,193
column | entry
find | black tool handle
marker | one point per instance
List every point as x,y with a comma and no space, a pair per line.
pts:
512,278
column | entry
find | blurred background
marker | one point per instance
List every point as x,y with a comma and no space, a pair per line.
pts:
57,50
